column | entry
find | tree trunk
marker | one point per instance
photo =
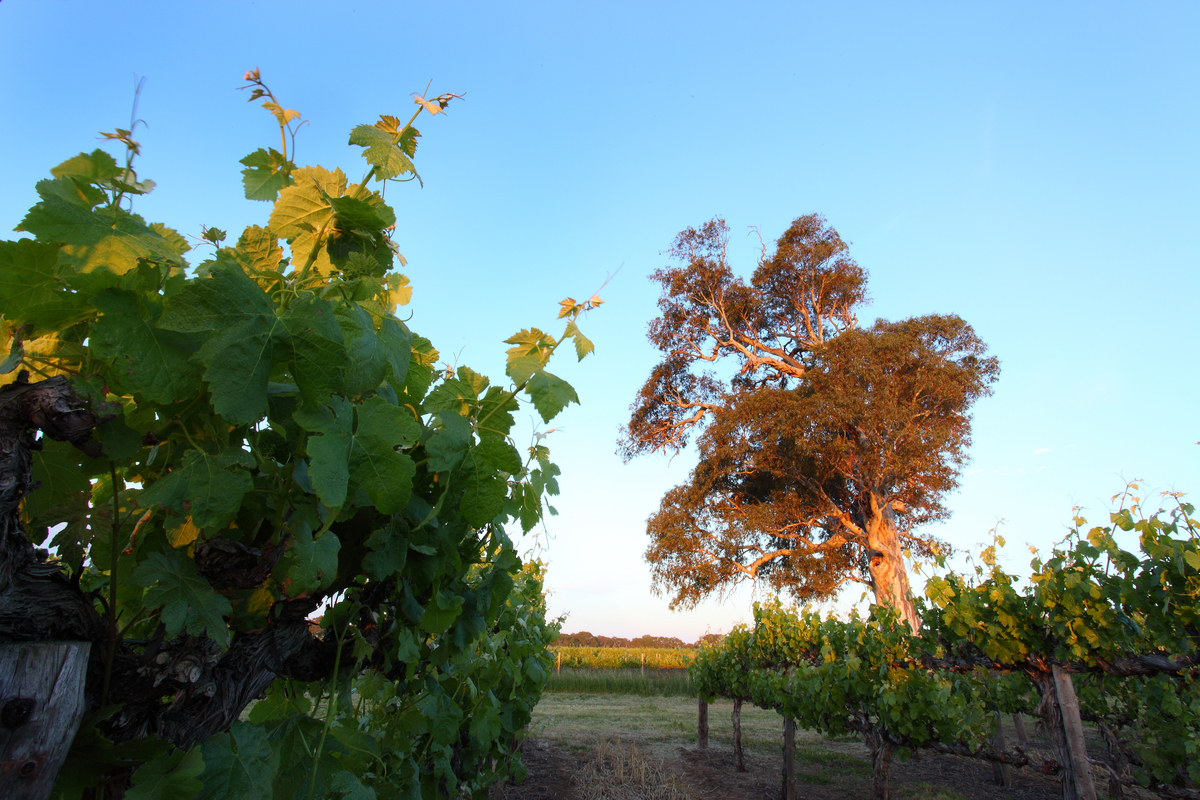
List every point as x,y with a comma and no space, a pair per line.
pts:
889,576
739,764
702,726
881,765
41,703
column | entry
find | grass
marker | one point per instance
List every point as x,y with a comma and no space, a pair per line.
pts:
629,681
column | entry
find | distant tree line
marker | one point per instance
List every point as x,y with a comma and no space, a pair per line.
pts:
585,639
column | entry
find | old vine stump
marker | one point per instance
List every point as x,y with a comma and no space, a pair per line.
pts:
41,703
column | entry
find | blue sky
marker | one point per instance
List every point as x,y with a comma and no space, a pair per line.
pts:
1032,167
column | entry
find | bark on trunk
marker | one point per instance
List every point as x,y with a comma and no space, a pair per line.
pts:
889,576
739,764
702,726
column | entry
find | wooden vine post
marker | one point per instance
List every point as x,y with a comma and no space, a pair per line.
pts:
1060,713
41,704
702,726
1001,772
789,758
739,764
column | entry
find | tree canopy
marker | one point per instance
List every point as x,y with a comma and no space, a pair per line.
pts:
823,446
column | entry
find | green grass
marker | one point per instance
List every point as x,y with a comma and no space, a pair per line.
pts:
632,681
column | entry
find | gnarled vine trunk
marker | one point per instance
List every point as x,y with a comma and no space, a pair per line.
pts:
207,689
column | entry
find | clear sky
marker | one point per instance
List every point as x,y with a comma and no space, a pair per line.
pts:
1032,167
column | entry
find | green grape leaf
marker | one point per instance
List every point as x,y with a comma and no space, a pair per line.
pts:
366,367
500,455
27,273
309,564
316,348
260,248
449,443
203,487
171,776
94,167
237,357
484,490
583,345
353,213
352,787
408,141
148,362
237,764
58,468
365,453
530,351
95,240
187,600
443,608
120,442
304,206
496,413
395,346
550,394
389,551
267,173
382,153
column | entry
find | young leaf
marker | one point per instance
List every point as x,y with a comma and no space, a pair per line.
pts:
267,173
304,206
382,153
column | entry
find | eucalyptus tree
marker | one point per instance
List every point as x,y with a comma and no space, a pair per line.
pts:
824,446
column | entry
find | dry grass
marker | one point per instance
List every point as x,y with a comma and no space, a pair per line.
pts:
621,771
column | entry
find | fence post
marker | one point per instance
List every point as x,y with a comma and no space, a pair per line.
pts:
789,759
1000,771
739,764
1068,703
559,654
41,704
643,665
702,728
1019,725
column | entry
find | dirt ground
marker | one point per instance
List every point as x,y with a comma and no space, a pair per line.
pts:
569,730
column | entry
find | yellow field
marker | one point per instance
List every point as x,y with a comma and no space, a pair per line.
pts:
622,657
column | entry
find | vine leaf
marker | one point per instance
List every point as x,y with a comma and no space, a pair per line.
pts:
382,153
304,206
187,600
237,764
203,487
267,173
110,239
365,453
485,490
237,357
168,777
309,564
389,551
149,361
550,394
27,272
317,348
